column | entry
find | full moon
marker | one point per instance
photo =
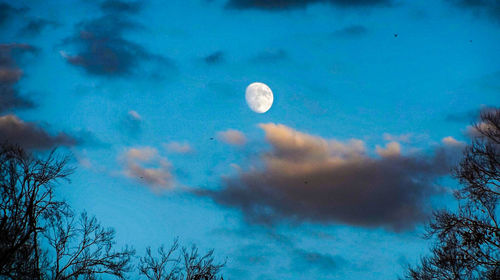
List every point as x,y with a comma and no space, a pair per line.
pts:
259,97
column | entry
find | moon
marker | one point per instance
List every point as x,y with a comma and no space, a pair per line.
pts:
259,97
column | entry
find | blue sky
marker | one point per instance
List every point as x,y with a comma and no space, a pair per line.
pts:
372,102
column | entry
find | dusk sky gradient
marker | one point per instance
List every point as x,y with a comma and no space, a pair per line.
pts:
373,100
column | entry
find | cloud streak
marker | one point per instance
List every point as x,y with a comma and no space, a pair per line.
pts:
36,26
214,58
351,31
308,178
480,7
276,5
179,147
306,260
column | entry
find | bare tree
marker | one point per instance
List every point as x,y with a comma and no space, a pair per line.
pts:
467,242
188,265
27,198
197,267
83,248
32,217
163,267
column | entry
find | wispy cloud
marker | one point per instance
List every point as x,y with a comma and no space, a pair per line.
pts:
116,6
132,123
214,58
270,56
10,73
146,166
304,260
232,137
490,8
8,11
351,31
36,26
179,147
468,116
405,138
277,5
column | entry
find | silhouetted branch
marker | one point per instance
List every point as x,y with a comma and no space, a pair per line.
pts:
188,265
468,242
27,196
84,248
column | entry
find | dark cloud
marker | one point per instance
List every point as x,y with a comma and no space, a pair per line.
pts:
468,116
101,46
115,6
480,7
10,74
308,178
36,26
214,58
294,4
351,31
29,135
7,12
304,260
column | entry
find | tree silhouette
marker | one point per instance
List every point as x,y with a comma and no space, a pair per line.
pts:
31,216
27,198
83,248
467,242
40,237
187,265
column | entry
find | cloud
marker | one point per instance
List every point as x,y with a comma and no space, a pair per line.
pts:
450,141
29,135
270,56
134,115
480,7
102,49
36,26
115,6
275,5
468,116
232,137
83,159
178,147
472,130
131,123
214,58
308,178
145,165
10,74
405,138
351,31
305,260
392,149
474,118
7,12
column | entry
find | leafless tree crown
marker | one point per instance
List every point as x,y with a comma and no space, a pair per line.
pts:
186,265
467,242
